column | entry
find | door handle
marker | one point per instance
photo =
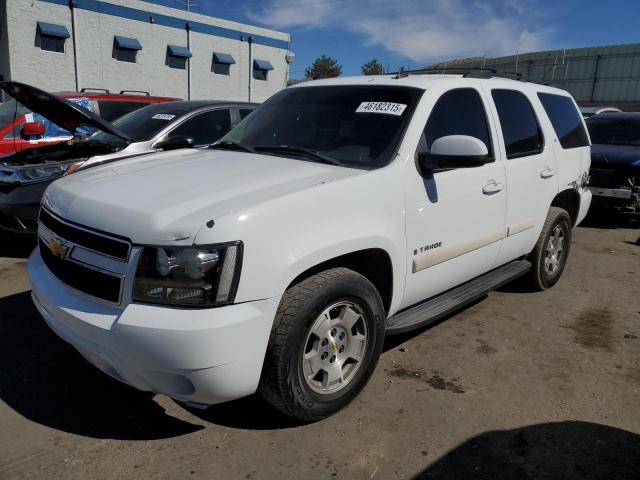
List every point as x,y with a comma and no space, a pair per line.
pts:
492,187
547,172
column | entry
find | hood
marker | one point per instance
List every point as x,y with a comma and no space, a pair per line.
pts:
62,112
615,155
168,196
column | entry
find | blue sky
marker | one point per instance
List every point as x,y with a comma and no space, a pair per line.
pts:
416,33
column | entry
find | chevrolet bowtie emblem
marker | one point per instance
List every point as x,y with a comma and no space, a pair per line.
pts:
58,247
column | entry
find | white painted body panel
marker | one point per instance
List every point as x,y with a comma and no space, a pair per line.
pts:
291,215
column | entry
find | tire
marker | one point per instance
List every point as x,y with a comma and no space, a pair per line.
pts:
546,271
304,314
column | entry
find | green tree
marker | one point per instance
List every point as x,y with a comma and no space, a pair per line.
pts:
323,67
373,68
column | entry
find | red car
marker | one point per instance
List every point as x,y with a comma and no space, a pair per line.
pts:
21,129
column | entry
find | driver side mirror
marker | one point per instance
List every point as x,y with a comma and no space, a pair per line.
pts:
454,151
32,129
175,143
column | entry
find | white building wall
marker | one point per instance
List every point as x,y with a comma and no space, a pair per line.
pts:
98,69
29,64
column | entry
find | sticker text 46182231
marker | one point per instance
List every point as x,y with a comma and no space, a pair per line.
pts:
387,108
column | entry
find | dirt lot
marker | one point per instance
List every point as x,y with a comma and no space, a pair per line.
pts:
519,385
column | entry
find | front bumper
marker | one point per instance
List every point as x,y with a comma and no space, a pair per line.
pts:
19,206
203,356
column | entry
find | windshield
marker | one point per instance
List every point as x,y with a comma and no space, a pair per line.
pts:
143,124
10,111
614,131
356,126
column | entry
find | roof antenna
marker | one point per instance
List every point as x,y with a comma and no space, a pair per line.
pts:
401,74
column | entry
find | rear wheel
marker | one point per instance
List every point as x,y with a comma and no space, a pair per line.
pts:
325,343
550,254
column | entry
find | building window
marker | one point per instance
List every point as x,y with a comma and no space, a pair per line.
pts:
261,69
177,57
222,63
125,49
51,37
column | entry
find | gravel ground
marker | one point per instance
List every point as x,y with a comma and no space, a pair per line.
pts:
519,385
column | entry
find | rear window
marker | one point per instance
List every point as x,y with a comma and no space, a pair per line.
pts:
110,110
566,120
605,131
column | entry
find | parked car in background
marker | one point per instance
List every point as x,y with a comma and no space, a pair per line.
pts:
25,175
340,211
615,161
591,111
21,128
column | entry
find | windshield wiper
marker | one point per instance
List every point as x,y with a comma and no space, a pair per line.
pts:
230,145
306,152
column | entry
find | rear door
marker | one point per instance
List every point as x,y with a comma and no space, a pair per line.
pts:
530,167
571,142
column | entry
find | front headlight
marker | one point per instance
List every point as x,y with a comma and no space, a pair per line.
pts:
199,275
41,172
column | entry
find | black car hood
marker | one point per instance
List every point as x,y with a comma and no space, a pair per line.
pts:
62,112
615,155
58,153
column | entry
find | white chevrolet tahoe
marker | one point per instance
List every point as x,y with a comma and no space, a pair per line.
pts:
340,211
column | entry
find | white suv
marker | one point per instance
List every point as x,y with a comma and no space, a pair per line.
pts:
340,211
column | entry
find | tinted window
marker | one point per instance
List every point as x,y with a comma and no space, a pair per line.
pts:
458,112
51,44
259,74
350,124
244,112
205,128
608,131
221,68
145,123
125,55
110,110
520,129
565,119
177,62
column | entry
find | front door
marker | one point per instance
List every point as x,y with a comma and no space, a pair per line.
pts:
455,218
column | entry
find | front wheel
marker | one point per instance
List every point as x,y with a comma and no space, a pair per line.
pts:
325,343
550,254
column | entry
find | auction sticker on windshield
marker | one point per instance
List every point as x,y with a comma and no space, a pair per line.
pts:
387,108
163,116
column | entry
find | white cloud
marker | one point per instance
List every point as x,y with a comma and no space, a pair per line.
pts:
420,30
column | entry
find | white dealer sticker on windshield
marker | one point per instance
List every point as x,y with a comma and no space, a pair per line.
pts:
163,116
382,107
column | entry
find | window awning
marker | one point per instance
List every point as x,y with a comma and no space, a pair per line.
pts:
52,30
262,65
223,58
127,43
182,52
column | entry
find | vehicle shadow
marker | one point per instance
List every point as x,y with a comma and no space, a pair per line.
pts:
47,381
564,450
16,245
603,218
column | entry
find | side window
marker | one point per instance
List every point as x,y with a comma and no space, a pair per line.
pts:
520,129
565,119
458,112
205,128
244,112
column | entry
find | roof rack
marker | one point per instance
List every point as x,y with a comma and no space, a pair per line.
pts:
142,92
471,72
91,89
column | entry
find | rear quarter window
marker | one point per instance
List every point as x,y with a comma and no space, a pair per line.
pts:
566,120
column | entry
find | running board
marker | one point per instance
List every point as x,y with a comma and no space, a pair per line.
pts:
436,308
